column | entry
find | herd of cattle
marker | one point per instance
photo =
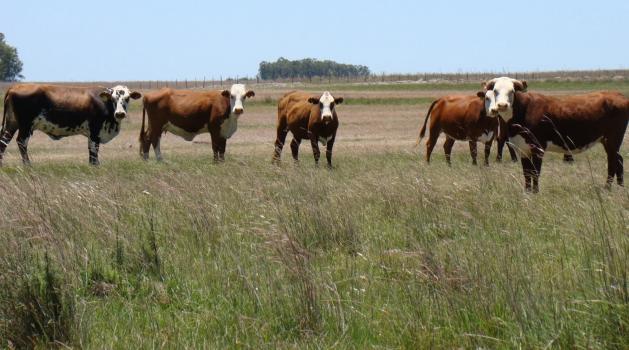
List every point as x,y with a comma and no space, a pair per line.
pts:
532,123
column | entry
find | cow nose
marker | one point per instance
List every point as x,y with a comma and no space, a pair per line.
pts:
493,111
327,118
238,110
502,106
120,115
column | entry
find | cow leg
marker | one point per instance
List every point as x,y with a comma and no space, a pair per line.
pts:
314,142
612,160
156,142
93,145
487,152
294,148
279,142
145,145
619,170
222,145
447,147
473,152
432,141
5,139
328,152
532,168
537,171
22,143
215,148
501,144
528,170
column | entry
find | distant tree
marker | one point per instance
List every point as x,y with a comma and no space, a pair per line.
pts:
10,64
308,68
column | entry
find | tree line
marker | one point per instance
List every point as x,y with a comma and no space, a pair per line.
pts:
307,68
10,64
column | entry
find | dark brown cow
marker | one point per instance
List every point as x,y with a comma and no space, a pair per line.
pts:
61,111
569,124
307,117
190,113
461,118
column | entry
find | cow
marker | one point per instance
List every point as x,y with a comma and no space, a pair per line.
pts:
190,113
505,88
307,117
567,124
61,111
461,118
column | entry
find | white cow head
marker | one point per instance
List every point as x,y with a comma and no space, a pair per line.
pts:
237,95
490,102
501,99
119,95
326,104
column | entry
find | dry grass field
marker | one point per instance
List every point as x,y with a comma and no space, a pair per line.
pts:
382,251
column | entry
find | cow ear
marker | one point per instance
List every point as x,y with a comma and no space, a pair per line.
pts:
339,100
520,85
135,95
313,100
481,94
226,93
250,93
489,85
105,95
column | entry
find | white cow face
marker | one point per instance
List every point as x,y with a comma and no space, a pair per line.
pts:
237,95
503,89
489,97
119,95
326,103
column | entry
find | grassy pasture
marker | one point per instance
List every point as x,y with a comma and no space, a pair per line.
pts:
382,251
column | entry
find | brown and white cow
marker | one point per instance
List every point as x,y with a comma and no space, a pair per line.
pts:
567,124
307,117
461,118
190,113
504,89
61,111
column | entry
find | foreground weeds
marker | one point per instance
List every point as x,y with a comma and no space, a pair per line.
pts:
381,251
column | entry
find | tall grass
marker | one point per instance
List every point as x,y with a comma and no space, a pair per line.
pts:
381,251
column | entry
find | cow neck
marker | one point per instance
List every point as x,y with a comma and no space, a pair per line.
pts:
110,108
520,104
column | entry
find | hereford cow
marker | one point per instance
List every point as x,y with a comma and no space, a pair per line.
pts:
504,89
570,124
307,117
190,113
460,118
61,111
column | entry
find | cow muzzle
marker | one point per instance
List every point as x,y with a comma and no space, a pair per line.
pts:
326,118
238,111
502,106
120,115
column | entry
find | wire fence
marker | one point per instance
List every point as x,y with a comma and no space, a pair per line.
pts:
441,78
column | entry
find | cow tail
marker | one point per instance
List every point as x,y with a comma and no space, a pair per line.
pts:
4,112
422,132
142,129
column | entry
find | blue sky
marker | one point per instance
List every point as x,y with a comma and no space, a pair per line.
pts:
136,40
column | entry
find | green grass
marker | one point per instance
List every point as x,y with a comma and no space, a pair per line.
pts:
382,251
532,86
